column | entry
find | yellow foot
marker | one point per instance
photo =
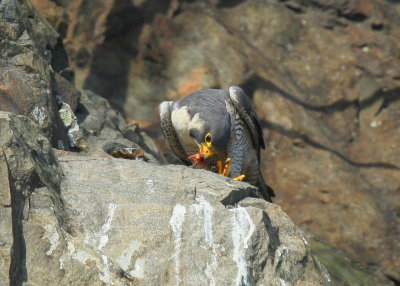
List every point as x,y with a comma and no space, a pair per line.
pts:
219,166
225,171
239,178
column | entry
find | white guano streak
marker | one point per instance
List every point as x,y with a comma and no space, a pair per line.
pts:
124,260
282,282
52,235
103,240
102,234
176,222
207,211
242,230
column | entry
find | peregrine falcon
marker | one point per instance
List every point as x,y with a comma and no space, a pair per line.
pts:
218,129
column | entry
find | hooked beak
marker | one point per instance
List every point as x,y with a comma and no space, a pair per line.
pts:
206,151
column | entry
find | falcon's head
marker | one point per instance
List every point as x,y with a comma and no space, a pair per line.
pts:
212,135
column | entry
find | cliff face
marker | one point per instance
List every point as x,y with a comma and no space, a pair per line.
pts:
28,83
86,218
103,221
324,77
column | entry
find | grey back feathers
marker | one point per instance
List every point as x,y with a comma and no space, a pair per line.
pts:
245,109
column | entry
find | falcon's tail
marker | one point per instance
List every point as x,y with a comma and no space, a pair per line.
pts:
266,191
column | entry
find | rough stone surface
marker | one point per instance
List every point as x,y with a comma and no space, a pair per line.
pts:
323,74
28,83
75,136
166,225
105,130
104,221
27,163
6,237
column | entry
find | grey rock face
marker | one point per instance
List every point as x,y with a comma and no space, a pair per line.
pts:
123,222
105,129
26,163
29,85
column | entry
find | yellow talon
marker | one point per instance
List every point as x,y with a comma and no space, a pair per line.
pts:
239,178
219,166
225,172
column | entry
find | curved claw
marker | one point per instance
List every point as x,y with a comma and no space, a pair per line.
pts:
225,171
239,178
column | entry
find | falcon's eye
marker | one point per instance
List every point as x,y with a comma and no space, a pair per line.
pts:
207,138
